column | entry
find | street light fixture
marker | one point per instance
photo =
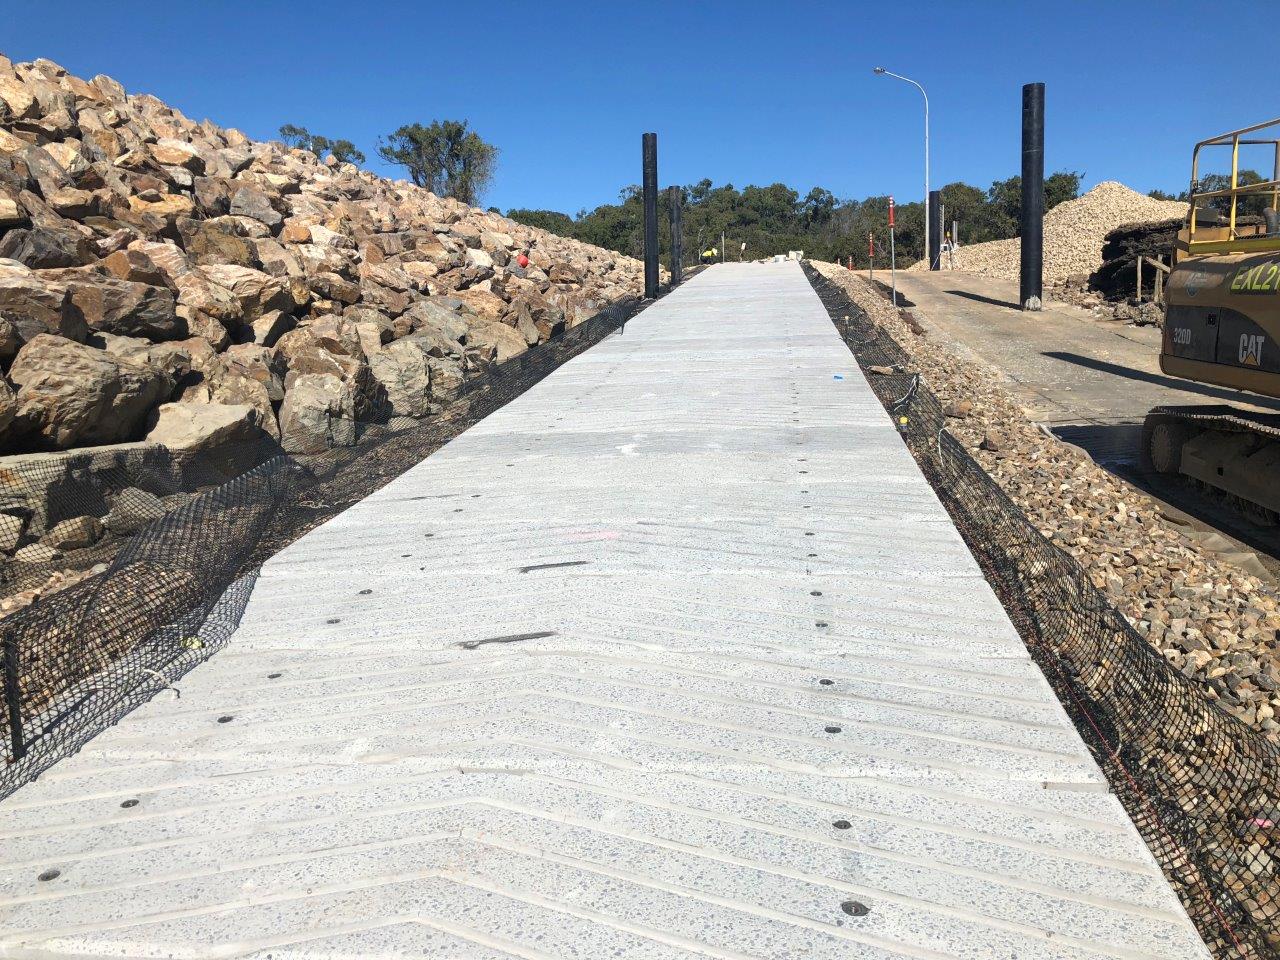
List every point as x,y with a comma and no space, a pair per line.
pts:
882,72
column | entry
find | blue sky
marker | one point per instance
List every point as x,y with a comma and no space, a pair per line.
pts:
747,92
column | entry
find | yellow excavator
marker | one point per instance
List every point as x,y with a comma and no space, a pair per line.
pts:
1222,326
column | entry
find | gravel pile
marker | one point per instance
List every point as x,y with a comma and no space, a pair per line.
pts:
1073,234
1216,623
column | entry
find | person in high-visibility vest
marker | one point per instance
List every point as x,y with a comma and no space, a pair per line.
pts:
709,255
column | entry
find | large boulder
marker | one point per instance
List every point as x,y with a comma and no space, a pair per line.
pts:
35,304
222,379
44,170
16,99
319,412
73,203
199,291
260,364
441,314
11,214
10,339
257,292
533,310
74,534
332,286
70,394
45,246
270,326
507,341
485,304
521,319
137,265
216,241
447,379
131,510
247,202
190,426
403,370
164,208
8,407
333,346
169,152
210,309
168,258
173,358
125,308
434,343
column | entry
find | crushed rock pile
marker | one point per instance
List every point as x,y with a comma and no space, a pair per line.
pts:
1214,622
1074,233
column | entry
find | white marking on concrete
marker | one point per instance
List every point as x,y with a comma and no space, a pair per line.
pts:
692,657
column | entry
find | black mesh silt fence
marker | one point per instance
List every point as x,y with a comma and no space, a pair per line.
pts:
1202,787
153,555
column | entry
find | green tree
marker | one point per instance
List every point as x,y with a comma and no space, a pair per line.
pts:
1060,187
344,151
968,206
445,158
819,204
296,137
1251,205
1005,198
549,220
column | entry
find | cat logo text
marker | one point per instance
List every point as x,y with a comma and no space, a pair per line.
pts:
1251,349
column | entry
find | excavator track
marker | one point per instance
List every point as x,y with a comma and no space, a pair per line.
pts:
1233,450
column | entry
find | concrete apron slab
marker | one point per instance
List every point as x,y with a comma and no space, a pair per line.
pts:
676,655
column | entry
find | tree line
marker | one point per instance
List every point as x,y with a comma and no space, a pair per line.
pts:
451,160
776,218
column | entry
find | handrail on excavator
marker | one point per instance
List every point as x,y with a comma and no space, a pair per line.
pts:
1234,139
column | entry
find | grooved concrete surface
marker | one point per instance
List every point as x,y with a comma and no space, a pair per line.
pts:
675,656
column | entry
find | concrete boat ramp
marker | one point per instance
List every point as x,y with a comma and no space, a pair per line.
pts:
677,655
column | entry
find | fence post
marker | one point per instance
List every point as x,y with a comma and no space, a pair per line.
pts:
12,696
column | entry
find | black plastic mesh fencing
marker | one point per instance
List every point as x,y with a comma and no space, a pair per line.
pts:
1202,787
155,554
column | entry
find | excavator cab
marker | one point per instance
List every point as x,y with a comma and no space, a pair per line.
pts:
1222,324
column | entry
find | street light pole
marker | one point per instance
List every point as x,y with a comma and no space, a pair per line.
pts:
882,72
